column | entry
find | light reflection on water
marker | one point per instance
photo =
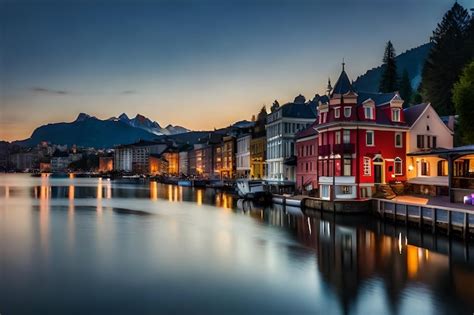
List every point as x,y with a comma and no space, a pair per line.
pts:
100,246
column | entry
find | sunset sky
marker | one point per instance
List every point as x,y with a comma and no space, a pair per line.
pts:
199,64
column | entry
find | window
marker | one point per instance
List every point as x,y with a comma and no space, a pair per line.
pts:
369,112
346,190
347,112
420,141
398,140
396,114
425,169
325,191
369,138
338,137
398,166
337,112
367,171
443,168
347,136
347,167
434,144
428,141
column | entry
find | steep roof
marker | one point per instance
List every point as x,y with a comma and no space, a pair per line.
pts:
343,84
298,110
413,112
378,98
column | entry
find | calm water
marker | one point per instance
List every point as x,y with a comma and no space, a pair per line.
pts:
96,246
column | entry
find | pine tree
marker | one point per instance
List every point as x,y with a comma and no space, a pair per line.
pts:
447,58
406,90
463,99
389,80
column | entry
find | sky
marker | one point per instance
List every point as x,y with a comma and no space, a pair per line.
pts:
198,64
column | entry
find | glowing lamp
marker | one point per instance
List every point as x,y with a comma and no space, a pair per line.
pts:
410,168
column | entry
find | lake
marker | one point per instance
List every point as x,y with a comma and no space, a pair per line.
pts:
92,246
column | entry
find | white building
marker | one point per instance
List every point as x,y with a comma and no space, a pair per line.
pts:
282,124
427,133
243,156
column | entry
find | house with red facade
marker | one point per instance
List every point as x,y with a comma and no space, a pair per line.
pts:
307,159
361,142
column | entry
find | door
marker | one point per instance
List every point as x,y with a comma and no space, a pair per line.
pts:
377,173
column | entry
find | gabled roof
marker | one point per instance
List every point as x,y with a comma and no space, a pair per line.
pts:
412,113
343,84
378,98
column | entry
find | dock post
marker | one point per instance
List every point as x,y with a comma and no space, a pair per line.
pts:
434,219
466,226
449,223
406,214
395,213
420,214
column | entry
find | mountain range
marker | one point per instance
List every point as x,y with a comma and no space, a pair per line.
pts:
90,131
412,60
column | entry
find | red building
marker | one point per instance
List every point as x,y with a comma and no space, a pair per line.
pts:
361,141
307,159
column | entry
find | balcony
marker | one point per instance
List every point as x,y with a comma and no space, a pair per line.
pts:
324,150
344,148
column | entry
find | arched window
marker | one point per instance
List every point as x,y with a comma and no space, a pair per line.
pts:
398,166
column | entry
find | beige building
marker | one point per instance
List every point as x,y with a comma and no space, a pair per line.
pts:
427,172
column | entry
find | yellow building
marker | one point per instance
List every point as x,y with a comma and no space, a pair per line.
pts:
257,157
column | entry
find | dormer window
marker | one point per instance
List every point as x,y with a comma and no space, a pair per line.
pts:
347,112
369,112
337,112
396,114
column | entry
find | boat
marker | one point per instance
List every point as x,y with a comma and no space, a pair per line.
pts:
185,183
252,189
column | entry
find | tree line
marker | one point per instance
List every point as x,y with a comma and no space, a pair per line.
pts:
448,73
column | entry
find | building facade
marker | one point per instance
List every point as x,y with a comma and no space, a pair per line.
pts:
307,160
242,156
135,157
283,122
362,140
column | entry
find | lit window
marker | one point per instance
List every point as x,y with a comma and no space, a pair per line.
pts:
396,114
369,138
338,137
347,136
398,140
347,112
337,112
346,190
367,171
398,166
347,167
369,112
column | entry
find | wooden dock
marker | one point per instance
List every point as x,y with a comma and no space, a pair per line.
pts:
449,220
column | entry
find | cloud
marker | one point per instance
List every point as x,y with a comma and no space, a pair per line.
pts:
48,91
129,92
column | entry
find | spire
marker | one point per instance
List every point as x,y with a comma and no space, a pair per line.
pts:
343,64
343,84
329,87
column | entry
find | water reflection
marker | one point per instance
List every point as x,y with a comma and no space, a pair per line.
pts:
263,260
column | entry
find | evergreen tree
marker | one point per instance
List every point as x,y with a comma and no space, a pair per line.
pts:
389,80
447,58
463,99
406,90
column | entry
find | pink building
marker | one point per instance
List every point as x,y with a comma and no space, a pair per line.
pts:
306,165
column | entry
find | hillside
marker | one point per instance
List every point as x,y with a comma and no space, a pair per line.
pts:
412,60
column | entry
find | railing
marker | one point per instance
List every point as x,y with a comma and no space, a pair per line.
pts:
344,148
324,149
434,216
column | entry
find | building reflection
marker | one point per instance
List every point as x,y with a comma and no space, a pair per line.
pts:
350,255
153,190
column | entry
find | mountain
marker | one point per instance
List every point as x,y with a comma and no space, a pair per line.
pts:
145,123
412,60
88,131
